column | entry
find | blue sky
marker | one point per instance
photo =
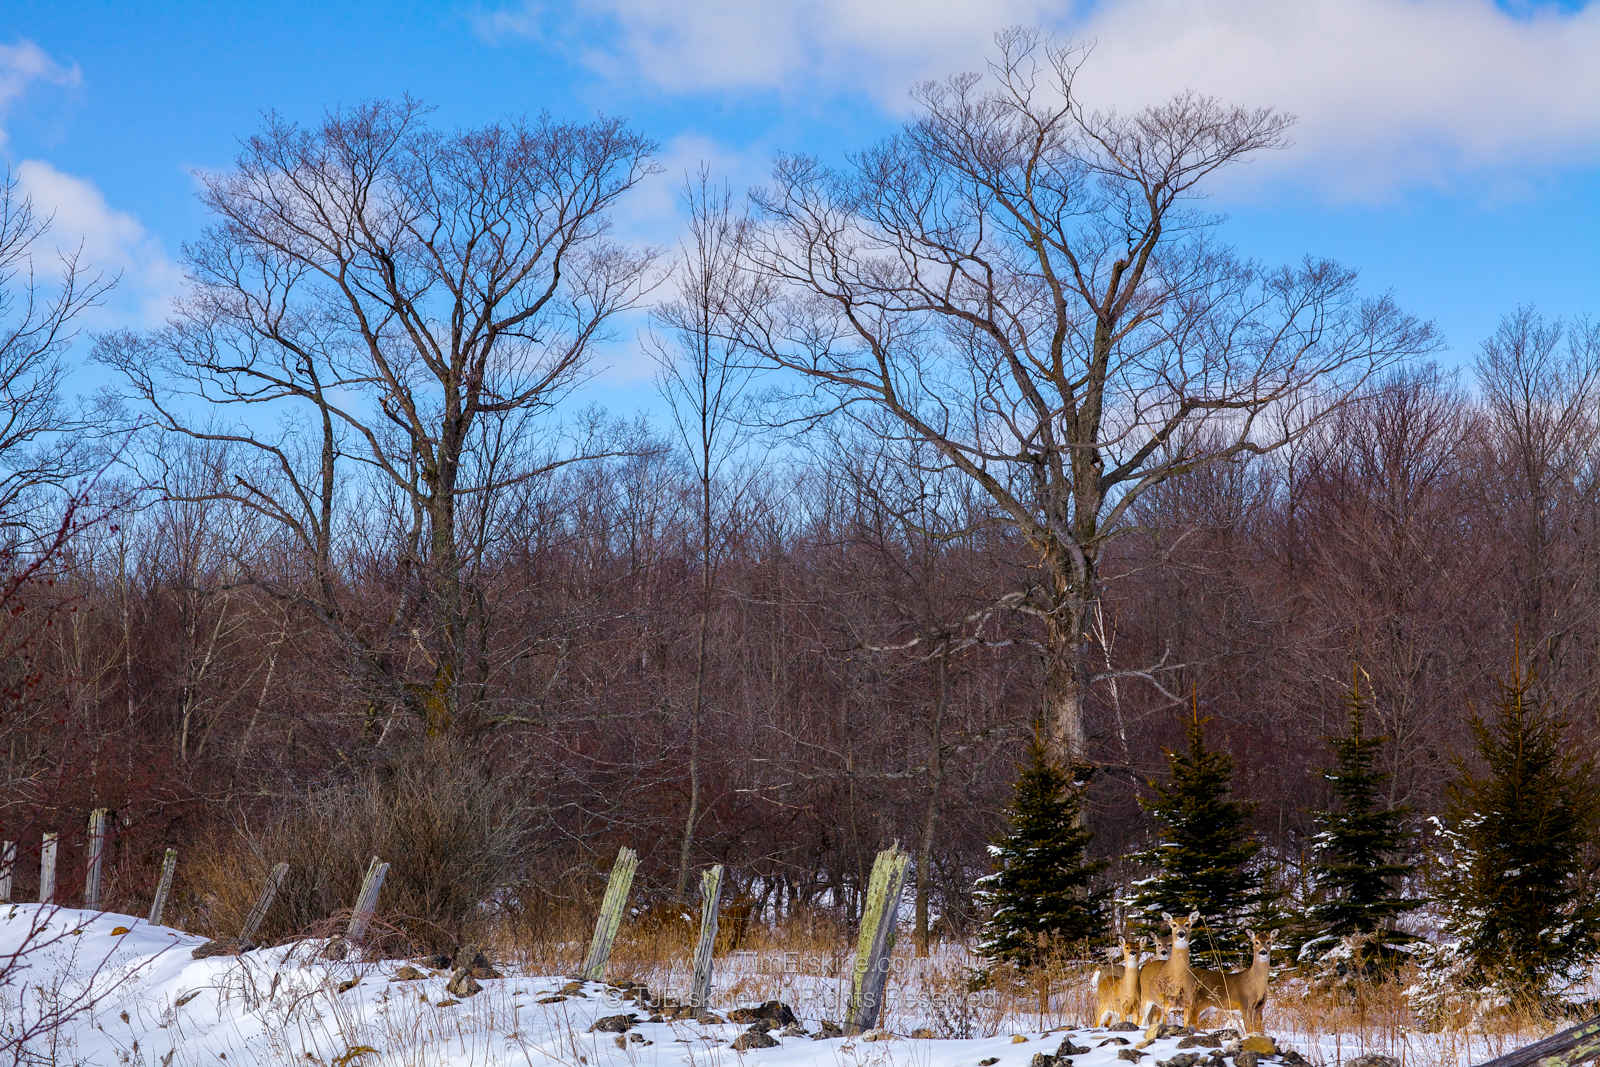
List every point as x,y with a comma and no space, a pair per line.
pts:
1449,150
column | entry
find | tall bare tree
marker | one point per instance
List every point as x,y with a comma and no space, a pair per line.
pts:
379,304
703,381
1540,380
1024,283
41,442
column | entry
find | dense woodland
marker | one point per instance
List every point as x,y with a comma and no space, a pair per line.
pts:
342,519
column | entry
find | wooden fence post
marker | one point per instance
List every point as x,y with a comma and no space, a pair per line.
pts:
610,917
870,975
268,891
366,901
47,870
97,858
8,862
710,898
169,863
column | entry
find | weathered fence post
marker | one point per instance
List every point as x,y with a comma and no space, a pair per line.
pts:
710,899
8,861
97,858
268,891
870,975
47,870
366,901
610,917
169,863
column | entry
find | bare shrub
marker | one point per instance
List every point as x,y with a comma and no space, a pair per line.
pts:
452,832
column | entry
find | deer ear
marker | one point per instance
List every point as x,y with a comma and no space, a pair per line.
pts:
1194,916
1167,917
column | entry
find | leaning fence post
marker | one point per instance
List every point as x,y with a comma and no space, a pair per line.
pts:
871,973
710,898
259,912
47,870
8,861
366,901
97,857
610,917
169,864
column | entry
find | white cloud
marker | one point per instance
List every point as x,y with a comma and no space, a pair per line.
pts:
106,240
21,65
1388,92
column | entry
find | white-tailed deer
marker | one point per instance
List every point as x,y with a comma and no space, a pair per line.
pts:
1242,991
1170,983
1116,995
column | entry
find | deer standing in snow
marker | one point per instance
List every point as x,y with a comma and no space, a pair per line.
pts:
1242,991
1117,988
1170,985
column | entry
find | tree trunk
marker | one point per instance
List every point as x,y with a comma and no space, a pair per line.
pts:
699,675
931,809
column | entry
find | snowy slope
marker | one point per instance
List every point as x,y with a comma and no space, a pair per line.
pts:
157,1005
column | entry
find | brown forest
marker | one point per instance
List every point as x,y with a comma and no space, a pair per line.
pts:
342,521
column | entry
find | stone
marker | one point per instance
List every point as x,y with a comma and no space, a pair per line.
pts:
573,989
1182,1059
1372,1060
793,1030
474,962
1132,1055
989,1061
1112,1041
463,985
922,1033
1172,1030
614,1024
1292,1058
752,1039
1017,1039
1042,1059
1246,1059
1203,1041
1123,1027
447,1003
762,1025
774,1012
348,984
438,961
879,1034
118,931
1260,1044
336,949
185,998
408,973
554,998
1067,1048
222,946
709,1018
637,1038
828,1028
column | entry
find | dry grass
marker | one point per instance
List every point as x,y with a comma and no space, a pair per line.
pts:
808,963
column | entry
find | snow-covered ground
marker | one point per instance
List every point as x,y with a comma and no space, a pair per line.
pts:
142,999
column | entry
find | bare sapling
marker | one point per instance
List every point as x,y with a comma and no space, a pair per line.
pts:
1242,991
1171,985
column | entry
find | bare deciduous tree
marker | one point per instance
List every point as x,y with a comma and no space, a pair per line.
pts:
381,303
703,382
1024,283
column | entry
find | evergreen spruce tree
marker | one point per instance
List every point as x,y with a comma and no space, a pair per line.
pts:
1043,896
1519,919
1359,851
1203,859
